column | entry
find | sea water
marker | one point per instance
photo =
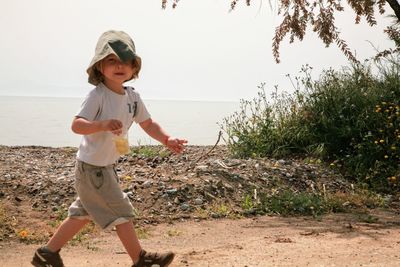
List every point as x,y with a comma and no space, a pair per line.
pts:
46,121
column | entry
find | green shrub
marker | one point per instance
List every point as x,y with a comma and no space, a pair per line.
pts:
249,129
349,116
290,203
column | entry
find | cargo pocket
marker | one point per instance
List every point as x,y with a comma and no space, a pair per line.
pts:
97,178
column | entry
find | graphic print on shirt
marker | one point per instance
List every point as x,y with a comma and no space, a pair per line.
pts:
133,108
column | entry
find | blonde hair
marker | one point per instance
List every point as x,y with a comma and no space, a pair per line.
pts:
99,77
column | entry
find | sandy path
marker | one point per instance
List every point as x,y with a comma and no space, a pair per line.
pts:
336,240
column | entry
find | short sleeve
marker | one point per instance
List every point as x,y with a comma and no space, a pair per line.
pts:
90,106
141,113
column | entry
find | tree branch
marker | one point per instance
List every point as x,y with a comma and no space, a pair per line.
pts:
395,6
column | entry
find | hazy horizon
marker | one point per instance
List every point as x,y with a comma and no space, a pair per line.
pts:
198,51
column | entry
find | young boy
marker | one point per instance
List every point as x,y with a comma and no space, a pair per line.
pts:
107,111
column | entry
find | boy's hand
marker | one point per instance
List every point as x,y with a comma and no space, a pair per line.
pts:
175,144
115,126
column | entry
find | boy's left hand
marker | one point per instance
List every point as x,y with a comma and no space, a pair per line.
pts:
175,144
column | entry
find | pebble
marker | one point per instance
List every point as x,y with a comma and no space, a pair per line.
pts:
198,201
201,168
184,206
147,184
171,191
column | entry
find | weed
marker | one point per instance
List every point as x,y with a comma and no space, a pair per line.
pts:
291,203
201,213
92,247
60,215
173,232
6,224
150,151
248,204
142,233
219,210
288,202
367,218
84,234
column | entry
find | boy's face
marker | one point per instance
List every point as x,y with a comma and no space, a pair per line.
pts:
116,71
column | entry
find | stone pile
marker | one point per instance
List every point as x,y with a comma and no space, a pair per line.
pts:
201,183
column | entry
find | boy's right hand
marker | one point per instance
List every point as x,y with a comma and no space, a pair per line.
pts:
115,126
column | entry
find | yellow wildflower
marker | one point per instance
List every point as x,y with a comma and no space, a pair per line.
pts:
127,178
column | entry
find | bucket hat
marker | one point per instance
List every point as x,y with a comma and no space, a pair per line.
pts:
111,42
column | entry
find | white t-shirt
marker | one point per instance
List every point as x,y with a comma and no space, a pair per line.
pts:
103,104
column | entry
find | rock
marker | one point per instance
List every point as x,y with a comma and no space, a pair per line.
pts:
215,215
198,201
281,162
171,191
147,184
184,207
201,168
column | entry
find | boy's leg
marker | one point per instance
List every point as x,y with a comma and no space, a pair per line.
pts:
127,235
65,232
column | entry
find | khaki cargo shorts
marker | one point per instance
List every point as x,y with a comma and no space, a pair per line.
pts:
100,197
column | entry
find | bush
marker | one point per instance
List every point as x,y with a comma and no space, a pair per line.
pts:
349,116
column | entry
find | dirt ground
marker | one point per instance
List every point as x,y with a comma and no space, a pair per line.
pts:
334,240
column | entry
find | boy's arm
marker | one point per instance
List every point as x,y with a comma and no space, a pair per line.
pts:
154,130
83,126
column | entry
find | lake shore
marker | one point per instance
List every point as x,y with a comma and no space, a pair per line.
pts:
202,183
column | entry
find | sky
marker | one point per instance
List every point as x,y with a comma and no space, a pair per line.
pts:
198,51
